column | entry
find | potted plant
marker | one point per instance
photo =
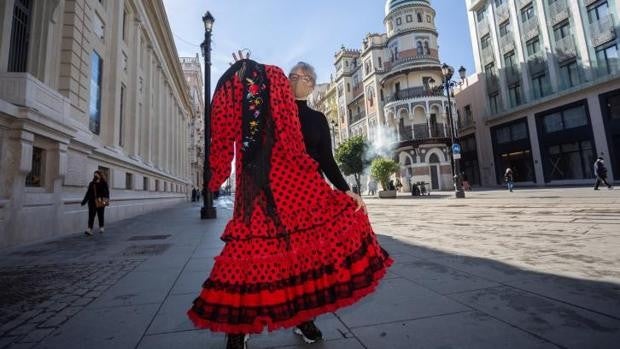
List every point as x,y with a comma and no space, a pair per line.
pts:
381,169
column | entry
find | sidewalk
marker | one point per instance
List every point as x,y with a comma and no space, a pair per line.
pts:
131,287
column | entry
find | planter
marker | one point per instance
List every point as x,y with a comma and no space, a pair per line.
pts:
387,194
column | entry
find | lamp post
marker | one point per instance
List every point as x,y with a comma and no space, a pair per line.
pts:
448,84
333,127
207,211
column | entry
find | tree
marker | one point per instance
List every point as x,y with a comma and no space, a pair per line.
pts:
350,156
381,169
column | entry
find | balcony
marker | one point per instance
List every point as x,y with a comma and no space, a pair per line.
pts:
413,92
467,122
356,117
419,132
403,59
357,90
483,27
558,11
536,63
487,55
565,48
512,75
602,31
506,43
502,12
529,28
522,3
492,83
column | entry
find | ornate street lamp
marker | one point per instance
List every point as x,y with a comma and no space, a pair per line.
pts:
448,84
207,211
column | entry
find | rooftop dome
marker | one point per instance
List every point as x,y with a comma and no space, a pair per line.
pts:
391,5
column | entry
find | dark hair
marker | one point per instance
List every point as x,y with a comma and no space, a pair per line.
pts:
101,176
600,158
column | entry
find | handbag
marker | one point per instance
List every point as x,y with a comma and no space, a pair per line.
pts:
100,202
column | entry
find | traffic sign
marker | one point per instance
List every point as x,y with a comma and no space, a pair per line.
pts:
456,148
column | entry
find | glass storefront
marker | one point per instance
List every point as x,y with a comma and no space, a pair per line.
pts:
566,143
610,106
512,149
469,160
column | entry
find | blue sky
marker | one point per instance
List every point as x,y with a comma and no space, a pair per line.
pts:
283,32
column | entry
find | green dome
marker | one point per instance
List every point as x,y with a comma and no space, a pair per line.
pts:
391,5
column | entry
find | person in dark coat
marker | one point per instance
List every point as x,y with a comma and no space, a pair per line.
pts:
97,189
601,173
194,194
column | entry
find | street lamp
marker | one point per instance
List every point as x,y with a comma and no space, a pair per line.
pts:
207,211
448,84
333,127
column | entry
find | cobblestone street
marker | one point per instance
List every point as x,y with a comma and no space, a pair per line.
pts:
537,268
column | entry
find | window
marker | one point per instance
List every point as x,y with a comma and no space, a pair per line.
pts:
348,87
514,93
96,67
499,3
429,19
489,70
427,49
511,133
20,36
494,103
608,59
598,11
510,62
485,41
399,21
35,176
145,183
409,18
157,185
569,161
527,13
121,121
380,62
539,85
569,74
419,48
128,181
561,30
533,46
480,14
566,119
419,15
504,28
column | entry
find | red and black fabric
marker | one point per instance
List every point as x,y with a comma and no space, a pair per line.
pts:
302,250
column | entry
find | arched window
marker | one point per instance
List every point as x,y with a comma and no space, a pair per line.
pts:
419,49
427,49
433,159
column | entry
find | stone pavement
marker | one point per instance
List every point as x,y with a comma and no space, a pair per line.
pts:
537,268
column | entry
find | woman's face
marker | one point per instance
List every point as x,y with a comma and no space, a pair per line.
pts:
96,176
301,83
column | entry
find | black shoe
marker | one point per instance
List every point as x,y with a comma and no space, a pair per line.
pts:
89,232
237,341
309,332
595,188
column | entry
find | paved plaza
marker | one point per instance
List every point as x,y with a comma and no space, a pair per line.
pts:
536,268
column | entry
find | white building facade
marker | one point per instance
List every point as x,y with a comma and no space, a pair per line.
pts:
385,93
87,85
545,99
194,78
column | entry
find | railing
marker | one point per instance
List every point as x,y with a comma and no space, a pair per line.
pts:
387,66
483,27
466,122
356,117
558,11
507,43
422,131
512,75
565,48
357,90
502,12
602,31
487,54
413,92
522,3
530,28
492,82
536,63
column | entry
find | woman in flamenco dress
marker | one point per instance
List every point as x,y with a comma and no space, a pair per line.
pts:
295,248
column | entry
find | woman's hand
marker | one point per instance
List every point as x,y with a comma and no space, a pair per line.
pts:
240,57
358,199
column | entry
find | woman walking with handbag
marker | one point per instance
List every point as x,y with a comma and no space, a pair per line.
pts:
98,197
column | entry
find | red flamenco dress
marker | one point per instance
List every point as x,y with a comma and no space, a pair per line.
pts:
295,248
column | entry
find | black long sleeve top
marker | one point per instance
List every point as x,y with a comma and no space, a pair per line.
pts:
101,189
317,138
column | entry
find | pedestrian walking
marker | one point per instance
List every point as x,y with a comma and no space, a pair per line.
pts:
295,248
509,179
372,187
98,197
194,194
600,171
